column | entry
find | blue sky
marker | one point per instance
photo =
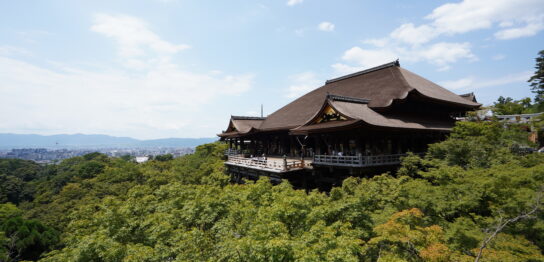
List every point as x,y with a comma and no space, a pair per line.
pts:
179,68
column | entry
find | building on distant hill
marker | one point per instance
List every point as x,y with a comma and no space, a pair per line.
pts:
361,121
141,159
519,118
524,119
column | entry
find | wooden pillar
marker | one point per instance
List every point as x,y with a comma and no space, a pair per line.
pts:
317,146
266,145
283,142
334,145
291,146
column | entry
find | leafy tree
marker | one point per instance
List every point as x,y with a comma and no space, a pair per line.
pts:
405,237
127,157
537,80
15,179
20,238
509,106
166,157
478,144
30,238
8,211
10,188
435,208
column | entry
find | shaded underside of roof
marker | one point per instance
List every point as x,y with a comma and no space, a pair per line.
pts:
361,113
380,86
321,127
229,134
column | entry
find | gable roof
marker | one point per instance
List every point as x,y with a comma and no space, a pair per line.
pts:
380,85
358,112
240,125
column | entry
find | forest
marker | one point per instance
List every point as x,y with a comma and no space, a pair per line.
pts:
473,197
470,198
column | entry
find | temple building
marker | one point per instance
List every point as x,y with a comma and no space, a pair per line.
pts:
363,121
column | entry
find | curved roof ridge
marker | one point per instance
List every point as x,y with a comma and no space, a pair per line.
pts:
362,72
247,117
348,99
432,90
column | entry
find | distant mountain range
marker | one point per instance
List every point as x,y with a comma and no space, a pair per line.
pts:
8,141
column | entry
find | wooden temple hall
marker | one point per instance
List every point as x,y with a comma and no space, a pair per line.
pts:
355,123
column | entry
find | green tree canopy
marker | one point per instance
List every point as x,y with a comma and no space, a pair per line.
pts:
438,207
509,106
537,80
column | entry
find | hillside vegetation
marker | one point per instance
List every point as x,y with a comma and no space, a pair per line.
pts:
440,207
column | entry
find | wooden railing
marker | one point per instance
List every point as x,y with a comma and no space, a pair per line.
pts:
265,164
232,152
383,160
338,160
358,161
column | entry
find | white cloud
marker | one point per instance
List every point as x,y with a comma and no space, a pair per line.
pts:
470,15
302,84
530,29
149,96
411,34
472,83
164,101
343,69
294,2
459,84
443,54
377,42
440,54
368,57
132,35
326,26
413,43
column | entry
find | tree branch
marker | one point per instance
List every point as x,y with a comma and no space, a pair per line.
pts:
503,223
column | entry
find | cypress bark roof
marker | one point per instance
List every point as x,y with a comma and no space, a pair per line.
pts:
380,85
360,96
240,125
469,96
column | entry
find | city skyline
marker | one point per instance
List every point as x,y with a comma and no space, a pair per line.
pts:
166,68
